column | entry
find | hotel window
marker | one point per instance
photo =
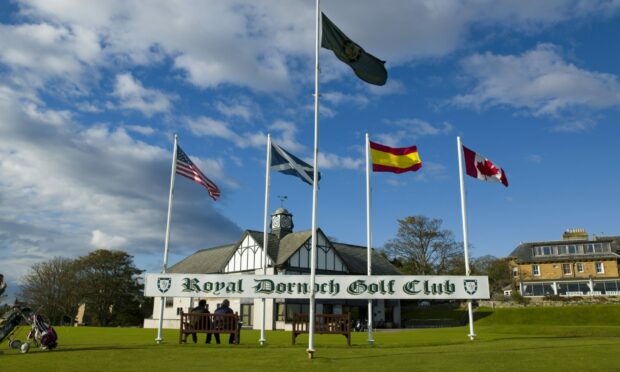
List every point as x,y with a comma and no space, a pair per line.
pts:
515,271
579,267
566,269
535,270
562,249
280,312
547,251
600,269
169,301
247,315
572,249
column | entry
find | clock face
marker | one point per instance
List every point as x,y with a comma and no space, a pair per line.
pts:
275,224
285,222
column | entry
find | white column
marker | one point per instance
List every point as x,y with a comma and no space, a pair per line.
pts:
315,184
471,335
159,338
368,237
262,339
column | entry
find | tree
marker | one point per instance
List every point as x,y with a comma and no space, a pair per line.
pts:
421,247
497,269
111,288
52,287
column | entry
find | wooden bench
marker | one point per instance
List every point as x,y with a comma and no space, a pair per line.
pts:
209,323
332,324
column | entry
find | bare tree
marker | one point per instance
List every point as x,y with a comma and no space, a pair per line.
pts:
52,287
421,247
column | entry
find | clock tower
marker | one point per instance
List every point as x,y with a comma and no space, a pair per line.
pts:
281,222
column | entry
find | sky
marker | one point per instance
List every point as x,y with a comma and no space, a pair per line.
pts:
92,93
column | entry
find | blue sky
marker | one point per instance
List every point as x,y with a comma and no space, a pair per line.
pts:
91,95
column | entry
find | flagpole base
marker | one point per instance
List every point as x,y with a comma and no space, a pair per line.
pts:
158,340
371,342
262,341
310,353
472,336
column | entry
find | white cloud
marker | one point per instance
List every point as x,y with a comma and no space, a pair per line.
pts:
244,109
410,130
102,240
257,45
333,161
65,187
534,158
339,98
132,95
140,129
539,81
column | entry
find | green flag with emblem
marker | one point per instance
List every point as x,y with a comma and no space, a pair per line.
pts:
366,66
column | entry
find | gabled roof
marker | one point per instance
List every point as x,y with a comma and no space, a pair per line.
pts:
205,261
214,260
355,257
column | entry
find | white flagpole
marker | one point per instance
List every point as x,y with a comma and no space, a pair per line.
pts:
265,232
172,174
315,182
368,236
471,334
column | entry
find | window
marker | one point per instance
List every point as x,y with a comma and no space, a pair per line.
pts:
566,269
600,268
280,312
247,311
572,249
579,267
536,270
515,271
169,301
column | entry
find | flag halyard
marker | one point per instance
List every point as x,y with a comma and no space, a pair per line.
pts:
186,168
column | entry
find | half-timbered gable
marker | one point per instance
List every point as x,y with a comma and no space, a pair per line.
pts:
327,257
248,256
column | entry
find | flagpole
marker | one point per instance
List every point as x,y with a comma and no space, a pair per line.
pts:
368,237
315,180
159,338
265,233
471,334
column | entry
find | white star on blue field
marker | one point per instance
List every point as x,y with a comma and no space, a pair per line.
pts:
92,93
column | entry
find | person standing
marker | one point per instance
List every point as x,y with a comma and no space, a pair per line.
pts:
224,309
201,321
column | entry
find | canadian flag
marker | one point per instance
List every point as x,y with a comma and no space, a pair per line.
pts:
477,166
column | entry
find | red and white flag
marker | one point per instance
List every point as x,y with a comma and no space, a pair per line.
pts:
186,168
477,166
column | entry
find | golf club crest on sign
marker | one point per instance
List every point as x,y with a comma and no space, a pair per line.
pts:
471,286
164,284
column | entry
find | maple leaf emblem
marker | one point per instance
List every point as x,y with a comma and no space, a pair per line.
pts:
487,168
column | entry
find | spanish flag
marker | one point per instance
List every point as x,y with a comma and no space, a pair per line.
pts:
395,160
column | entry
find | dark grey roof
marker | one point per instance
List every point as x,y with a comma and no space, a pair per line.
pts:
525,252
213,260
355,257
205,261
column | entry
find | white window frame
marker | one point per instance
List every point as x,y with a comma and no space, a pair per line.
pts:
580,267
570,269
535,270
602,266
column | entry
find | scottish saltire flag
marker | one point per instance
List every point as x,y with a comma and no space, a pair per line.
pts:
287,163
477,166
366,66
394,159
186,168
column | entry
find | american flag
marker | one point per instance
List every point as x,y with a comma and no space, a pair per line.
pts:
185,167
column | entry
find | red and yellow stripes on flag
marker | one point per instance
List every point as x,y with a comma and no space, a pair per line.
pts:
395,160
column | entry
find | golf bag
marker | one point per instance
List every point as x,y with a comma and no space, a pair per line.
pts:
12,319
43,333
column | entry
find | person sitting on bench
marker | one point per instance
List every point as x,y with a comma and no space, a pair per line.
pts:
223,309
202,321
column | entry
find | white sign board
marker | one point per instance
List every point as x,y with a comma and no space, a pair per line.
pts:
326,286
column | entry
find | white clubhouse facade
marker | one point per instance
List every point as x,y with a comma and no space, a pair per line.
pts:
288,253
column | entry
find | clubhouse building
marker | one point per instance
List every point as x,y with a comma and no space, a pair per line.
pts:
288,252
573,266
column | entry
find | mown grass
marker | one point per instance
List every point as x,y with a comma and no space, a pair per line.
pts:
508,339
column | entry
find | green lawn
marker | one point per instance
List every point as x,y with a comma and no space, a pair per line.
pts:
508,339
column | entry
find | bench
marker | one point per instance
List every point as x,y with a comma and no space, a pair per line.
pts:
331,324
209,323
